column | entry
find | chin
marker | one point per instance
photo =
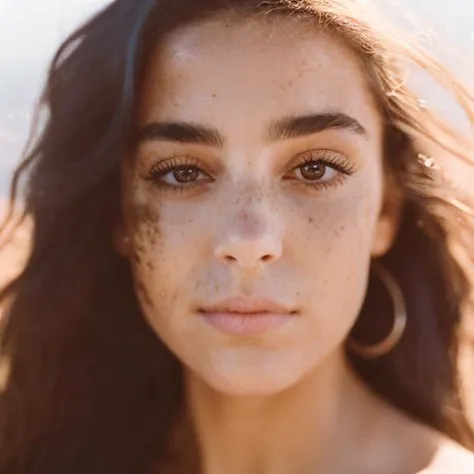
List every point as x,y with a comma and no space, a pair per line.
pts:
262,376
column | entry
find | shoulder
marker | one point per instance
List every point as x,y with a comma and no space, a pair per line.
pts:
451,458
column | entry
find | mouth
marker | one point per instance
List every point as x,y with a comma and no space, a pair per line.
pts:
247,316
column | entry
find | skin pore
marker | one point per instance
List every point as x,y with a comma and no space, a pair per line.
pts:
258,171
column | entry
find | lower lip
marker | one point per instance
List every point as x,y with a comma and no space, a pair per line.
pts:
238,324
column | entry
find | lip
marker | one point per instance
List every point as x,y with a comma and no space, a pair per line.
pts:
247,316
248,305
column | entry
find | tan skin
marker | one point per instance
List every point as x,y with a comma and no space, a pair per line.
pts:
246,216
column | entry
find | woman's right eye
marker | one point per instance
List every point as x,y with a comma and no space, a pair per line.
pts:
178,176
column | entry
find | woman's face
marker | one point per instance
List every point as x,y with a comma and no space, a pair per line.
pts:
258,174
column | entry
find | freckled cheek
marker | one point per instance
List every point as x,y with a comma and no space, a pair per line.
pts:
336,229
166,251
155,275
144,240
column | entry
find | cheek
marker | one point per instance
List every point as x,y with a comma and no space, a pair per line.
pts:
164,249
333,244
146,239
338,228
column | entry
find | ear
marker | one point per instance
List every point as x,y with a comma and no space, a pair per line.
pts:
388,223
122,241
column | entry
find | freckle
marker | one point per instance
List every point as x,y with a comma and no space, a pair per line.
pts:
310,220
152,236
144,214
146,225
137,258
214,95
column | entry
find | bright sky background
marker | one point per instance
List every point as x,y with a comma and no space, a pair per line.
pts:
30,31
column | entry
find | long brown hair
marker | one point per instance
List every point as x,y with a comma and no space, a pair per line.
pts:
91,388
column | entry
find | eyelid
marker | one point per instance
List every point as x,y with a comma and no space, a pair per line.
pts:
331,158
209,163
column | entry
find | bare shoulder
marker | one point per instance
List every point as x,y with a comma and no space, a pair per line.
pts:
451,458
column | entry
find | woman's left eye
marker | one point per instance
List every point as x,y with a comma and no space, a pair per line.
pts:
315,171
323,170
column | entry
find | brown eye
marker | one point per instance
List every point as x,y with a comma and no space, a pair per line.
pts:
313,170
186,174
179,176
321,169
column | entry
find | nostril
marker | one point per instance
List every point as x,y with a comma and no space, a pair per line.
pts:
263,259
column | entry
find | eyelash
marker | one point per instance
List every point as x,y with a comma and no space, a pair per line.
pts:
328,158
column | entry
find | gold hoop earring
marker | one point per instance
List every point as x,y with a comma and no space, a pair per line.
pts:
399,320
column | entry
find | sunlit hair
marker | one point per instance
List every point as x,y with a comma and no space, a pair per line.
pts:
91,388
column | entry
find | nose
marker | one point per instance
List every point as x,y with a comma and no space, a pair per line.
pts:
248,245
249,253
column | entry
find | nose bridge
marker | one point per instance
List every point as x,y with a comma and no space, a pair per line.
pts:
250,233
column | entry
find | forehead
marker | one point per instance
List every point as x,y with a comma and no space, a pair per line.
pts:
230,71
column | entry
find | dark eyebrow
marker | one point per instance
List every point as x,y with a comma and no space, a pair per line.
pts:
180,132
283,129
299,126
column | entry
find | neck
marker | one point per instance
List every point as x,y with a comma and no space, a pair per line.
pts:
303,429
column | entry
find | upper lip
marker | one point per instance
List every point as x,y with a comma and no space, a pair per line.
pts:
247,305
